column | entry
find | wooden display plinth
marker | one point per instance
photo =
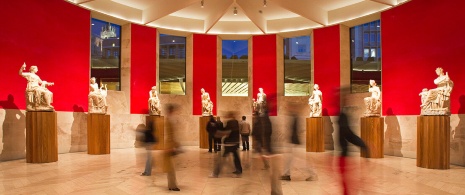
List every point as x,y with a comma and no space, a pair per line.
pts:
433,142
372,133
315,135
98,134
157,124
41,137
203,134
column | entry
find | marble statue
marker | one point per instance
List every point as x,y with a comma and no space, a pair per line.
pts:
97,98
261,102
207,104
437,101
38,97
254,106
373,103
154,102
315,102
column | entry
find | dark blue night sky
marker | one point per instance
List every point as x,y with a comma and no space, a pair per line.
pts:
235,47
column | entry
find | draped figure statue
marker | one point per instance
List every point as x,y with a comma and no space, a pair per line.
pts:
261,103
97,98
154,102
437,101
373,103
315,102
38,97
207,104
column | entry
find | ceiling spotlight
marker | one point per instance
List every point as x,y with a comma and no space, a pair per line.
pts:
264,3
235,11
201,4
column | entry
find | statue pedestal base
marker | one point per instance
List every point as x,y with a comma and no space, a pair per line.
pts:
433,142
157,124
203,134
41,137
372,133
315,135
98,134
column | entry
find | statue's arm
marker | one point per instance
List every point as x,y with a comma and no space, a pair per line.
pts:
21,73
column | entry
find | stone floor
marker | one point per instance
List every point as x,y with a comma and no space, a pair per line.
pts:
119,173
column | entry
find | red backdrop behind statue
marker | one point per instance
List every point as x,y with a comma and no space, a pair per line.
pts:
55,36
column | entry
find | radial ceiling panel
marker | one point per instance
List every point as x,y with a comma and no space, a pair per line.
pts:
253,16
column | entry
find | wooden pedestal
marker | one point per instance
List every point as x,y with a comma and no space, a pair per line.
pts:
157,124
41,137
203,134
372,133
98,134
315,135
433,142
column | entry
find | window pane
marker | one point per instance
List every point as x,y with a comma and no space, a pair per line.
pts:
297,66
235,68
172,64
365,51
105,53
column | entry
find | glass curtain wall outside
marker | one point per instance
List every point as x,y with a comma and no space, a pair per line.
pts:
365,55
235,68
105,53
297,66
172,64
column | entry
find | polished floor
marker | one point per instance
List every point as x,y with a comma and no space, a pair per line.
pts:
119,173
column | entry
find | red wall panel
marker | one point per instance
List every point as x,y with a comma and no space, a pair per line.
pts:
143,66
265,69
327,71
55,36
204,73
417,37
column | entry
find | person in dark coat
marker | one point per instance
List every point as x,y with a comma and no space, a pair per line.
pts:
211,129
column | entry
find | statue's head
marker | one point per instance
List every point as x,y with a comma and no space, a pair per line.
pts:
154,88
260,90
33,69
372,82
92,80
202,90
316,87
439,71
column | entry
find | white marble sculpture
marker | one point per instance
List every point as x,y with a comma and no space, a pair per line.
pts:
373,103
38,97
437,101
315,102
261,102
154,102
97,98
207,104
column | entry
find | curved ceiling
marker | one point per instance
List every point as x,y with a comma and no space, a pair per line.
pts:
253,16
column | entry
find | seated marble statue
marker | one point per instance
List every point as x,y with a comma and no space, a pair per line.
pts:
207,104
38,97
437,101
97,98
154,102
315,102
373,103
261,102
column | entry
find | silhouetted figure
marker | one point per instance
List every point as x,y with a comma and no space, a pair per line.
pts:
171,149
211,129
149,141
244,129
219,127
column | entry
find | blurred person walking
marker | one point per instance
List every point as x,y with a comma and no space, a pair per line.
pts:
171,149
231,145
217,140
289,156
